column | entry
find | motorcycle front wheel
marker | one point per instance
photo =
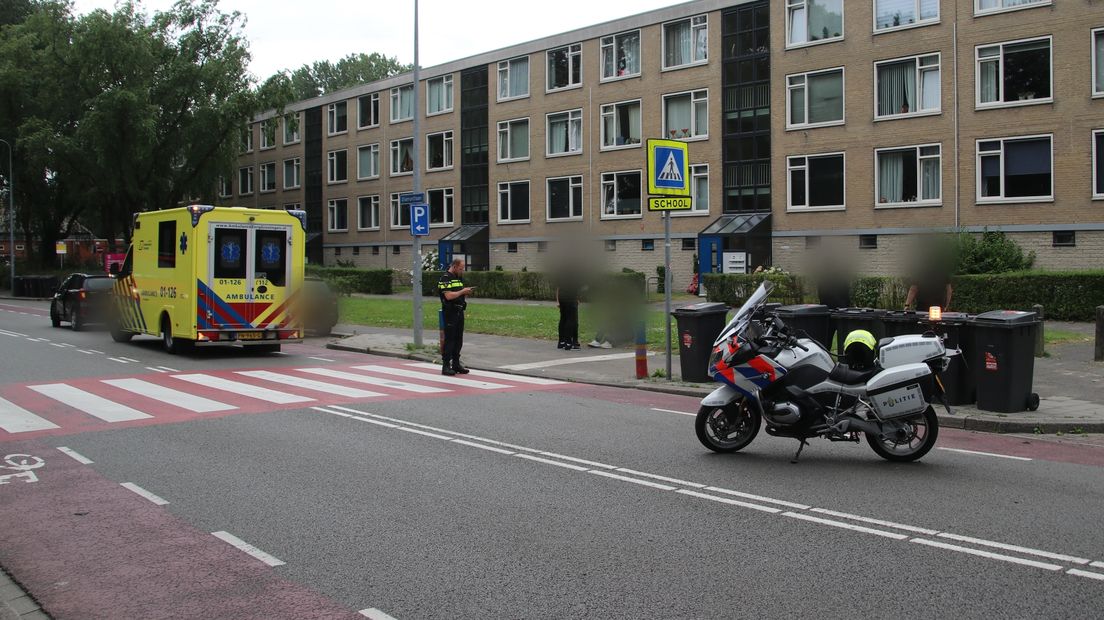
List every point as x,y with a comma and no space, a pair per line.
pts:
908,438
729,428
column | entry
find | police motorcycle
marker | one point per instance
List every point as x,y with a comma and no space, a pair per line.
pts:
883,390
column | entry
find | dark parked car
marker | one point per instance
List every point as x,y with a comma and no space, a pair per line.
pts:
82,299
319,307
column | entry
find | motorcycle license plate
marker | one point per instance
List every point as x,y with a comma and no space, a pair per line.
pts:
250,336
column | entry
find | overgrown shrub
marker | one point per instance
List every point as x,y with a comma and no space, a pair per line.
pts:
343,279
1065,296
530,284
734,289
992,252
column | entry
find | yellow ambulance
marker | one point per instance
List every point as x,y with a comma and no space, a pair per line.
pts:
203,275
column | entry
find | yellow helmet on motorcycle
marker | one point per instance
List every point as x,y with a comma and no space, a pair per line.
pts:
858,349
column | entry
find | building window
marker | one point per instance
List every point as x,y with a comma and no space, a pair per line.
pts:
368,213
291,173
440,206
1064,238
339,215
1017,73
247,139
868,242
337,252
226,188
647,245
611,245
621,194
565,67
813,21
368,111
400,215
812,242
621,55
268,133
396,250
513,201
337,118
375,250
621,124
1015,170
699,188
686,115
439,151
368,165
439,95
513,140
909,176
685,42
268,177
402,103
356,250
338,166
291,128
1098,62
565,198
245,181
689,244
982,7
1098,163
402,157
542,246
293,206
907,87
565,133
890,14
814,99
511,247
513,78
816,181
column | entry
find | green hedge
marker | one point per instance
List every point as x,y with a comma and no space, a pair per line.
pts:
529,284
734,289
350,280
1065,296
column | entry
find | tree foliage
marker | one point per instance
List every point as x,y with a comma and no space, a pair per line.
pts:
322,77
992,252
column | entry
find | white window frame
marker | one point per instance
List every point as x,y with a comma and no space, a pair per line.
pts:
919,202
373,210
297,177
611,109
698,95
789,178
573,181
979,12
267,170
396,104
331,212
1000,75
663,42
246,145
608,178
506,67
297,206
331,118
373,107
374,147
507,128
1094,50
793,4
274,123
990,200
697,171
446,84
504,186
575,57
448,195
613,43
225,188
919,23
805,85
395,164
575,115
446,145
1096,154
396,213
919,87
297,134
332,169
245,189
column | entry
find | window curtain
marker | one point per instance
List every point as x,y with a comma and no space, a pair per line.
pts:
558,136
989,81
891,177
701,118
364,166
633,112
677,44
929,179
1098,84
504,83
678,116
799,32
825,97
436,96
575,135
825,19
629,61
797,106
406,103
519,78
897,88
929,9
519,139
701,44
930,87
609,200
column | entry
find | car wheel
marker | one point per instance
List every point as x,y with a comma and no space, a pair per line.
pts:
55,319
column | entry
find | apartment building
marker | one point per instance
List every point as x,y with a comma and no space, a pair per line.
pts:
809,123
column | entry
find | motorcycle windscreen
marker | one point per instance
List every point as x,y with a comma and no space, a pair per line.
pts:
744,314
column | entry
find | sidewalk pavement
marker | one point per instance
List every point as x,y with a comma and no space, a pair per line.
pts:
15,603
1068,381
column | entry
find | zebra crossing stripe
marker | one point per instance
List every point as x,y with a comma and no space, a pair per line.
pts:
309,384
169,396
433,378
398,385
15,419
244,389
93,405
500,375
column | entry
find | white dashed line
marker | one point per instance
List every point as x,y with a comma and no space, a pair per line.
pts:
248,548
976,453
144,493
731,502
155,369
1085,573
645,483
986,554
117,359
1027,550
321,359
899,526
673,411
75,455
530,457
130,359
846,526
375,614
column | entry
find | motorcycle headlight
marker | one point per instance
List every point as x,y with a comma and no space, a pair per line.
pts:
714,359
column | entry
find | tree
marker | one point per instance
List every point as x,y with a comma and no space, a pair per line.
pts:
322,77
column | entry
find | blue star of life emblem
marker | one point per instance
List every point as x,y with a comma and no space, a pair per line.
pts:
230,251
183,242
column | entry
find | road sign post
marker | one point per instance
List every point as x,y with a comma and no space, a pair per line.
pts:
669,178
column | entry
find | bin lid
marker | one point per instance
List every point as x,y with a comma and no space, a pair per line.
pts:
905,316
870,313
1006,318
802,310
702,308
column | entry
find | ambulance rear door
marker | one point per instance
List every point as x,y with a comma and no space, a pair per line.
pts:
249,269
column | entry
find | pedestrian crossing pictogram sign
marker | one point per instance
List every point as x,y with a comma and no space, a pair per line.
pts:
668,168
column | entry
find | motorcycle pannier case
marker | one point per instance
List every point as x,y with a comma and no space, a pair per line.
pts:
901,390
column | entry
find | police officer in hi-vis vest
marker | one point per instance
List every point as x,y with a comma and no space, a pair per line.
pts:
453,302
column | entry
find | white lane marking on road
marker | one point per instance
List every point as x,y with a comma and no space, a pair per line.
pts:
12,334
976,453
357,378
425,376
694,415
118,359
1085,573
15,419
309,384
571,360
244,389
76,456
578,460
155,369
498,375
93,405
1027,550
732,502
130,359
440,430
986,554
1097,564
169,396
759,498
321,359
900,526
157,499
419,431
685,483
530,457
167,369
248,548
57,344
87,352
358,418
646,483
473,444
97,352
282,353
66,344
846,526
375,614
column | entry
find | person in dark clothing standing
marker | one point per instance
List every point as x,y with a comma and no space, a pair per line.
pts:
567,296
454,300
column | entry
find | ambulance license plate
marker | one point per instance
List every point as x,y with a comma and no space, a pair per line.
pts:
250,336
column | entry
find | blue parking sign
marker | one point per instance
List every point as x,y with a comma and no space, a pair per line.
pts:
419,220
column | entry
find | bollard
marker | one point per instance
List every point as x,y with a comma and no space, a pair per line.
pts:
641,352
1040,337
1099,353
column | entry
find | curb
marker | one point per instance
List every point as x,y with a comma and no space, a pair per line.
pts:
16,603
990,425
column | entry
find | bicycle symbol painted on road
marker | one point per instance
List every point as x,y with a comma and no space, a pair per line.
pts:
22,463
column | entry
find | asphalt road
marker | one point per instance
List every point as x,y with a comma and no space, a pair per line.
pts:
500,500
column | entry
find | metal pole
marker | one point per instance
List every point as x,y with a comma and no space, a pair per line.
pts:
417,272
667,286
11,213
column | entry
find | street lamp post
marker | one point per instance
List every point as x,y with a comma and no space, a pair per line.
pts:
11,213
416,273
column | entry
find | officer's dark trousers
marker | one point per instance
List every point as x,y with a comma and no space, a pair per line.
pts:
454,336
569,323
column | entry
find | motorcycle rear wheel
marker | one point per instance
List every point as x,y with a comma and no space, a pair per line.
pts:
729,428
914,438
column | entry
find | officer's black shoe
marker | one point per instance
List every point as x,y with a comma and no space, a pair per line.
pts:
447,370
459,370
